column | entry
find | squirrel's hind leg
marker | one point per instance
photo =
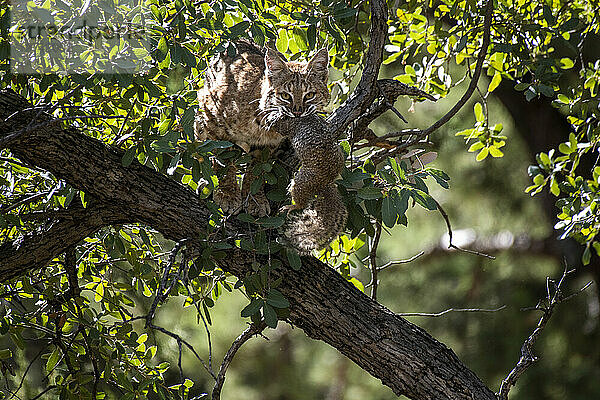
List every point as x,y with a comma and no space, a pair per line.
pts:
305,186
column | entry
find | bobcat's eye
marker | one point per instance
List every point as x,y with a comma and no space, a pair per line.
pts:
309,96
286,96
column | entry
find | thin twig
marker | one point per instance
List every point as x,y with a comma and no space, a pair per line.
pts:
373,260
554,297
121,139
450,244
179,339
161,293
44,392
27,200
391,263
14,394
441,313
252,330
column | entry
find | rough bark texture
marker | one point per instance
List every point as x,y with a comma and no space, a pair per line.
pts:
323,303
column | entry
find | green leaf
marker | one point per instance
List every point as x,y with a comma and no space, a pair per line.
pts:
495,82
587,256
388,212
566,63
257,34
252,308
423,199
300,39
128,156
311,36
239,28
244,217
565,148
53,360
344,13
271,222
282,41
546,90
277,299
187,122
478,110
5,353
476,146
482,154
462,43
370,193
357,284
495,152
270,316
293,259
162,48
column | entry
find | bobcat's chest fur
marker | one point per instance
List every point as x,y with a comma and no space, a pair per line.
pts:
229,106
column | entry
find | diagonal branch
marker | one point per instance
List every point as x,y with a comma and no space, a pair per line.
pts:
253,329
322,302
554,296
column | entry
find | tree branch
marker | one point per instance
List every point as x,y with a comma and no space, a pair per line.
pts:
554,296
235,346
421,134
322,303
366,91
37,249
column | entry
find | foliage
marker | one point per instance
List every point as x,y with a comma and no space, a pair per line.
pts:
94,342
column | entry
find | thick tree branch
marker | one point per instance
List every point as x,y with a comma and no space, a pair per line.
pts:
323,303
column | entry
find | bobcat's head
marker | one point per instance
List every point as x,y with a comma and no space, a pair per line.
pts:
294,89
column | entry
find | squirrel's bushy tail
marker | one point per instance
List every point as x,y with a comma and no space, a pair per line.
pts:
315,226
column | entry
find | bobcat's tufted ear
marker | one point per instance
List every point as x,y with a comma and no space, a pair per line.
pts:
275,63
319,64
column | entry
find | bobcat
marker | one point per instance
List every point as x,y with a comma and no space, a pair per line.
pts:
241,99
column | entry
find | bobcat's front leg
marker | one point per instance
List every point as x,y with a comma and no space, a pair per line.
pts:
228,195
256,204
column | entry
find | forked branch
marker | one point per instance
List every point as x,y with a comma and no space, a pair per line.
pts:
253,329
547,305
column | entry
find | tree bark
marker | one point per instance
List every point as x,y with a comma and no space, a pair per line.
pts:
403,356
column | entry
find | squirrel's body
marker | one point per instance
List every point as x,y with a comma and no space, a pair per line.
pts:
322,214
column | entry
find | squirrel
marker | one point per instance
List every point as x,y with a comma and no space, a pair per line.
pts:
317,213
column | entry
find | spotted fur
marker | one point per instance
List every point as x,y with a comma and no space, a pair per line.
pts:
243,96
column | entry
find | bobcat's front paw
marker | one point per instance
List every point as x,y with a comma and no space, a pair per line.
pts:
229,201
290,207
258,205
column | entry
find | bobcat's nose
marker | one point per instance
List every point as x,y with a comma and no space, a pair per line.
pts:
297,111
